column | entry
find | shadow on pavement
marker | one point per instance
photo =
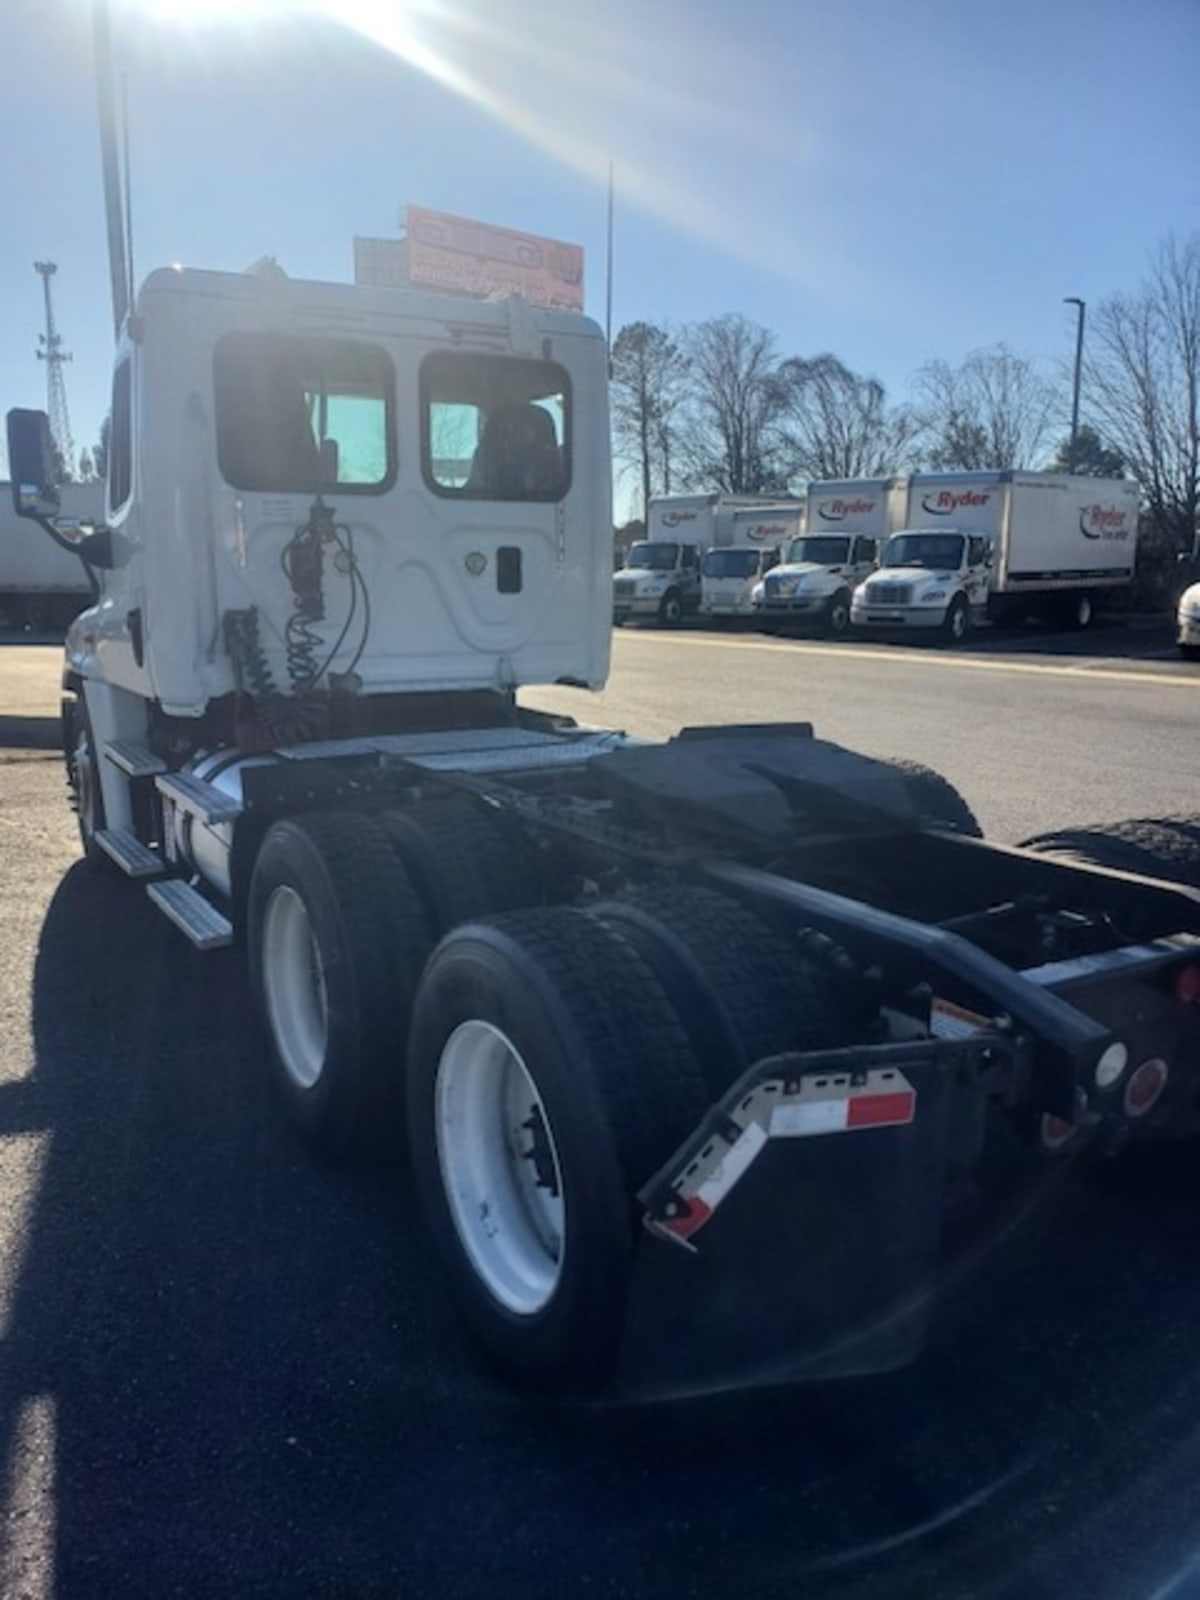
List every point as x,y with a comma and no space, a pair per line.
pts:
260,1390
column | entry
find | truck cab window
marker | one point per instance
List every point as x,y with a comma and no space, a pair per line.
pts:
495,427
120,443
977,549
295,415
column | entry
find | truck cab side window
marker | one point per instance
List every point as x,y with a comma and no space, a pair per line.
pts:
865,550
120,440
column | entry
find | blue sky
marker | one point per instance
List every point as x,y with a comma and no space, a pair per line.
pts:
893,180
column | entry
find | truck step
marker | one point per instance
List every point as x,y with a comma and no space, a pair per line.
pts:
190,911
203,800
134,758
133,857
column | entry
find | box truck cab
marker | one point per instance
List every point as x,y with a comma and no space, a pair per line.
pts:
729,574
845,522
1188,623
928,578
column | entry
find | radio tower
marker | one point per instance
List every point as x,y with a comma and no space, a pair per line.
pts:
53,354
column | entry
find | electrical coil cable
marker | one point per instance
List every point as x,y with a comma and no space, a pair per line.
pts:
302,560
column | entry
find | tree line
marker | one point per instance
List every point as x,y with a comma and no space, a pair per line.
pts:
714,405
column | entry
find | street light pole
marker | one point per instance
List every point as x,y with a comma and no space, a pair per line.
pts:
1073,300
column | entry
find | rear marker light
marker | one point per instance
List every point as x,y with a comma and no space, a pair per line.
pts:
1145,1087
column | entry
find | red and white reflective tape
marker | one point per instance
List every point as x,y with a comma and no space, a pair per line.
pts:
821,1104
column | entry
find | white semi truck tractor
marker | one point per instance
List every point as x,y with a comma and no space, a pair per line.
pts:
688,1044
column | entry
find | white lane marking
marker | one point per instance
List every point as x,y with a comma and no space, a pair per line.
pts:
28,1510
800,647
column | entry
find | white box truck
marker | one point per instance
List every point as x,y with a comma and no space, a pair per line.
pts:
42,585
1000,546
729,573
660,580
845,523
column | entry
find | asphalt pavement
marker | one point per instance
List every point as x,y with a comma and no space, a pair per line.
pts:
228,1371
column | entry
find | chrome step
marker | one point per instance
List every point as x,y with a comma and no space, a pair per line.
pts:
203,800
187,908
134,858
134,758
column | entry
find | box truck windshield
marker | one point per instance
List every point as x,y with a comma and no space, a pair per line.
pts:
654,557
824,551
924,550
732,563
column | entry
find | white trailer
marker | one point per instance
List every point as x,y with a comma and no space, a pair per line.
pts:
730,572
42,585
845,523
1000,546
660,580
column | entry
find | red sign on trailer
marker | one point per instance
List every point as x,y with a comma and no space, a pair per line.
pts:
474,258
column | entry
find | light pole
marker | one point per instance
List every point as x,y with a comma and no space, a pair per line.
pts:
1074,300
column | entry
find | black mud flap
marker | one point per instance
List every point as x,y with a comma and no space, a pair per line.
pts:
796,1235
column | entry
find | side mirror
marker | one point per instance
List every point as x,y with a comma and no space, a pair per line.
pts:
31,464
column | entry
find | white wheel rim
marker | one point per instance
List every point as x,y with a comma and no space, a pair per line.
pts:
500,1167
1085,612
294,984
958,625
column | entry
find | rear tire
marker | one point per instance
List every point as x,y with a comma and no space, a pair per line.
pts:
548,1078
1081,612
1154,847
740,991
464,860
937,801
670,609
337,940
1190,652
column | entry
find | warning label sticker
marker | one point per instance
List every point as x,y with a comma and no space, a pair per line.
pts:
948,1021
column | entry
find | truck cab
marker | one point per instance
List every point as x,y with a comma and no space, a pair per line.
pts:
660,580
928,578
729,578
814,581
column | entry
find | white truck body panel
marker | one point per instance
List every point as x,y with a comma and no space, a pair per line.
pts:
1188,618
441,615
35,570
1049,536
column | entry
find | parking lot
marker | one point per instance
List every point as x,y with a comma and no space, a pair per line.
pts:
225,1370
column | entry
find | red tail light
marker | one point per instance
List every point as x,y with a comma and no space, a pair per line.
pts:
1187,985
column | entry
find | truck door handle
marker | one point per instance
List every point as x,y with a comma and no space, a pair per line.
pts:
508,569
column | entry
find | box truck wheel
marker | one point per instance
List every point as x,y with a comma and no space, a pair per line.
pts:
957,625
548,1078
837,614
337,940
1190,652
670,609
1155,847
83,773
1081,611
740,990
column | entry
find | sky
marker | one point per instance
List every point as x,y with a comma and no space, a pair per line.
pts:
890,180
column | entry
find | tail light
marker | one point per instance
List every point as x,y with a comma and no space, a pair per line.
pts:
1187,984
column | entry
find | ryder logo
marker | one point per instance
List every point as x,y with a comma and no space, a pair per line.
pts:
1104,522
946,502
758,532
835,510
676,519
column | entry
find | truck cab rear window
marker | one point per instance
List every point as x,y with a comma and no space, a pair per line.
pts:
495,427
296,415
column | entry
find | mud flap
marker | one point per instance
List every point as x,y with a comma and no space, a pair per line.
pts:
796,1236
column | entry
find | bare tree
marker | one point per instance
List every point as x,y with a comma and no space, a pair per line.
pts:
1142,383
100,449
647,381
838,424
737,401
995,410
